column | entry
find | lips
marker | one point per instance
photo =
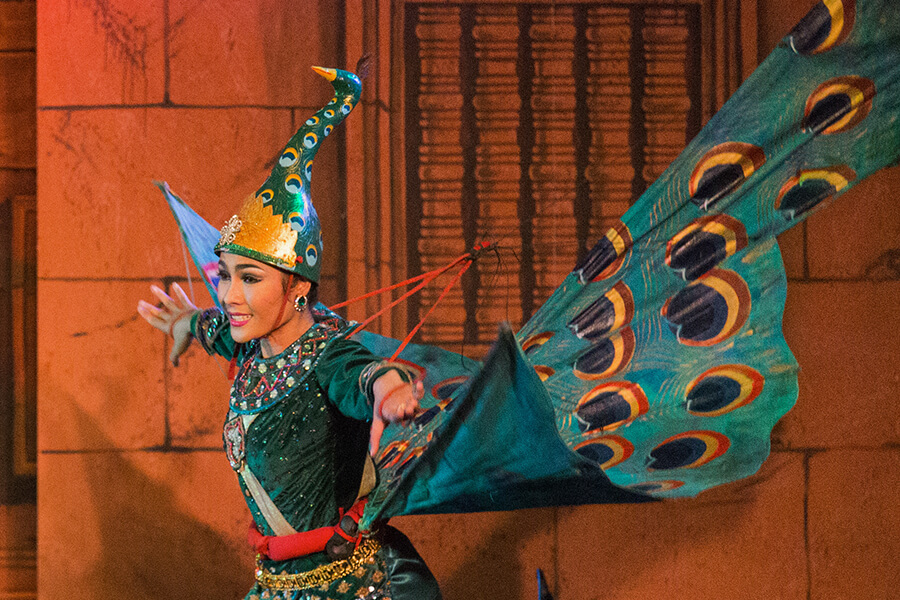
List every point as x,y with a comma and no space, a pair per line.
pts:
237,319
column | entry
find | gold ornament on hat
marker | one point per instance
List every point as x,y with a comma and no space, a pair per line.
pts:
232,226
261,230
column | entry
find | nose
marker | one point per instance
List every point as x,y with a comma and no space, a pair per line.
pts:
230,293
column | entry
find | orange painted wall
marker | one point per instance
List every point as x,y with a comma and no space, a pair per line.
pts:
135,498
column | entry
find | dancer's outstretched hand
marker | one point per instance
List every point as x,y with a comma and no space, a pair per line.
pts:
395,401
173,318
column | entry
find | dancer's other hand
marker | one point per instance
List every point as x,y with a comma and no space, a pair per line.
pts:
395,401
173,317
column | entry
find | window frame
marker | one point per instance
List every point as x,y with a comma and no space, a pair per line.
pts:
376,236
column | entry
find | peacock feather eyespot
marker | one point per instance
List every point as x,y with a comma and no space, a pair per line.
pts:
607,256
608,450
838,105
703,244
606,314
293,184
288,158
606,356
608,406
534,342
825,26
688,450
811,189
297,222
723,389
723,170
312,255
544,372
710,310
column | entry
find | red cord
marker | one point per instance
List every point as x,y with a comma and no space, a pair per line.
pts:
425,278
478,248
392,287
409,293
421,322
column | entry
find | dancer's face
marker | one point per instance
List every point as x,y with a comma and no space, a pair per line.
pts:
253,295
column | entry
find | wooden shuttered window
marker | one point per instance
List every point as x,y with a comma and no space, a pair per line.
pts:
536,125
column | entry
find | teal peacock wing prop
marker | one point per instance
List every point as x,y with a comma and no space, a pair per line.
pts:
661,355
663,350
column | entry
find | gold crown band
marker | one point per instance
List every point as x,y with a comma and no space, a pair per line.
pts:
321,575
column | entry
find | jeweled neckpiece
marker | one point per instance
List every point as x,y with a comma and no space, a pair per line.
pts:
261,382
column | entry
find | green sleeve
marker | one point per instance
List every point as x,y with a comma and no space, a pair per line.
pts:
338,371
210,328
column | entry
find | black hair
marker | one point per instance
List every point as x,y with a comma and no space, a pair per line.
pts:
312,296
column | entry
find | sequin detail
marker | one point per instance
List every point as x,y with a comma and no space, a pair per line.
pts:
210,325
230,230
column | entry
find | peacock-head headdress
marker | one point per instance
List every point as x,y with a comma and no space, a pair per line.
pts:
278,224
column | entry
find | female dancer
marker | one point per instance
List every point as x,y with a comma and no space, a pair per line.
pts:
297,428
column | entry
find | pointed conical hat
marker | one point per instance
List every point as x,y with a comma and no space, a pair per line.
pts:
278,224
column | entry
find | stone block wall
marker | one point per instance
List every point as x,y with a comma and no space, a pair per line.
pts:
136,500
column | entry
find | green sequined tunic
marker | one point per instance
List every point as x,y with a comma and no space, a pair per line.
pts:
299,420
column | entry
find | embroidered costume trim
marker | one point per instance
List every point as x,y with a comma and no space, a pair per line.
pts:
262,382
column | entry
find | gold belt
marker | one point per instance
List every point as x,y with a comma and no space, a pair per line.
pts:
321,575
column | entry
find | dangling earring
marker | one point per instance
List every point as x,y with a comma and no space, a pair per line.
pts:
300,303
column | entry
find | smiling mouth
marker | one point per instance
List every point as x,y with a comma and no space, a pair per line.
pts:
238,320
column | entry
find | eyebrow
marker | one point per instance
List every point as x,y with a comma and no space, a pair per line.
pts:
240,266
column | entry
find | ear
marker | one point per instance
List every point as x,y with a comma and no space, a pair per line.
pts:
301,287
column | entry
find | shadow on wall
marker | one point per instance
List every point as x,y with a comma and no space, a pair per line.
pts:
601,552
492,569
122,526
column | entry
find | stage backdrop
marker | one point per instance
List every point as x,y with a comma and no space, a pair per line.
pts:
136,499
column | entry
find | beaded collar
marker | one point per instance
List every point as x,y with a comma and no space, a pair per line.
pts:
261,382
